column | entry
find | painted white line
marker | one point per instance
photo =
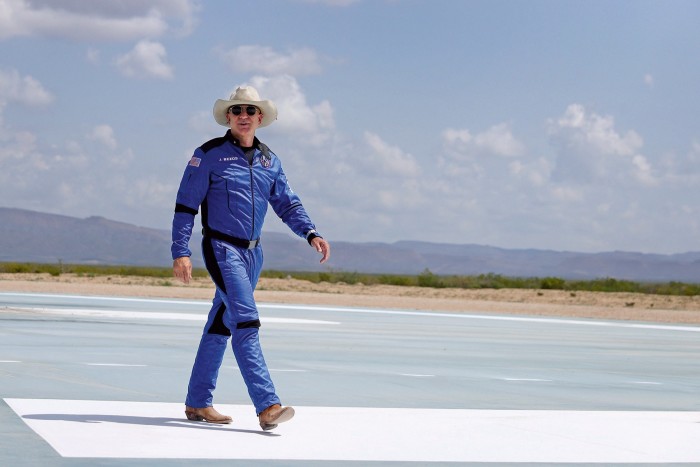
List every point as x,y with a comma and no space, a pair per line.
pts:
487,317
96,297
457,315
10,361
416,375
647,382
123,314
113,364
535,380
84,429
278,370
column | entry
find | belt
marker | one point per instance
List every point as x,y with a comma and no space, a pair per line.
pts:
239,242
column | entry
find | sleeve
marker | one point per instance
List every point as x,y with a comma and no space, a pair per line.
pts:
288,207
192,191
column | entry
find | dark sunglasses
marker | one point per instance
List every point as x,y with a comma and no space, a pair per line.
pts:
249,109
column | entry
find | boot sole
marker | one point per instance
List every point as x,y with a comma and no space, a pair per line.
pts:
285,415
198,418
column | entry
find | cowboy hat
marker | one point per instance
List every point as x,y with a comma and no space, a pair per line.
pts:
245,95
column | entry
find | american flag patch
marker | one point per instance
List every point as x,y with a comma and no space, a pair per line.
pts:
194,162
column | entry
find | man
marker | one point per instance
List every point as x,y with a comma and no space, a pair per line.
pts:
233,178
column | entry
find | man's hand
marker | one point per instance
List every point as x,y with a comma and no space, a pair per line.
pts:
322,247
182,269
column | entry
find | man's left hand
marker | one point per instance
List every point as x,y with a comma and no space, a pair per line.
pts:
322,247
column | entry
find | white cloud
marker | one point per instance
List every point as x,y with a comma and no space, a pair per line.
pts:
389,159
566,193
643,170
66,173
122,20
457,141
104,134
202,122
265,60
480,156
649,80
22,89
497,141
693,159
311,124
535,172
152,191
146,60
599,132
683,170
590,149
20,145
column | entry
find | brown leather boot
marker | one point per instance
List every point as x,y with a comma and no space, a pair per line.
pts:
273,415
206,414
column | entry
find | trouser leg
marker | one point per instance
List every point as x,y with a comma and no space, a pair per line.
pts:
210,354
248,352
200,391
240,276
235,273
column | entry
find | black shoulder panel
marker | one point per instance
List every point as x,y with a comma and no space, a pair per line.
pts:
213,143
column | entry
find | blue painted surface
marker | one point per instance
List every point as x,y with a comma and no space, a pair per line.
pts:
372,358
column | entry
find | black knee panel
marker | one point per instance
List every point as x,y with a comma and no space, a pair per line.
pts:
218,326
248,324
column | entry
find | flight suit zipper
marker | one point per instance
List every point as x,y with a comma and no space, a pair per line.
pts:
252,195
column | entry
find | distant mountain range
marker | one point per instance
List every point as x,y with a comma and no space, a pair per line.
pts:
29,236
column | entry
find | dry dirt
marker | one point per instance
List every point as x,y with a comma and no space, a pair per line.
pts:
617,306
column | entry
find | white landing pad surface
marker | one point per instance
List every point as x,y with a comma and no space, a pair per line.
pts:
113,429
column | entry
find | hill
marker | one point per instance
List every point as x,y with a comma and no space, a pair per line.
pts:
30,236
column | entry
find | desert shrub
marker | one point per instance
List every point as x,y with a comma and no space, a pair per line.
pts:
396,280
425,279
428,279
553,283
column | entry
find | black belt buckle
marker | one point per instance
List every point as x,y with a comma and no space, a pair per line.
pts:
239,242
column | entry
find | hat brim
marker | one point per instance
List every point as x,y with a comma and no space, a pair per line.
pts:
268,108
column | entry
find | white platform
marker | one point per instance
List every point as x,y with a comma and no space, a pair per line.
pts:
113,429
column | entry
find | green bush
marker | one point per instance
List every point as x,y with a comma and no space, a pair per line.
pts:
425,279
553,283
396,280
428,279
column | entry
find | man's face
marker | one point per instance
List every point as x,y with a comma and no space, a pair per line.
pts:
242,123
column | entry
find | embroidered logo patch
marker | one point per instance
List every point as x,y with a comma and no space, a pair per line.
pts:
266,161
194,162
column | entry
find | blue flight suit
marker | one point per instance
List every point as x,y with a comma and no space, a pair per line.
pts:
233,186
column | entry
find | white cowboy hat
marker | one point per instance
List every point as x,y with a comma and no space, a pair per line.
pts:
245,95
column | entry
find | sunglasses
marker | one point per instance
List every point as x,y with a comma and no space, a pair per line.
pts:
238,109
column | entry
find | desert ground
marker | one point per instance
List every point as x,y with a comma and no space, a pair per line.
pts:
554,303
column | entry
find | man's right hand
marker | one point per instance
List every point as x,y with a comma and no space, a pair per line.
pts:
182,269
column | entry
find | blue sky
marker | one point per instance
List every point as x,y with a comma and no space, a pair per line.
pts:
566,125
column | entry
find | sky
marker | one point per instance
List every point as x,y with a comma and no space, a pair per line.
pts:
558,125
